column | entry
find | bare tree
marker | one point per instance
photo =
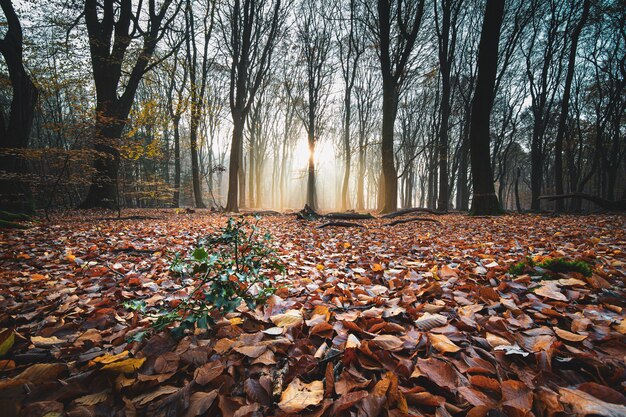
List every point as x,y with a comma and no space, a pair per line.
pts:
394,25
15,127
112,25
314,38
250,29
484,200
199,67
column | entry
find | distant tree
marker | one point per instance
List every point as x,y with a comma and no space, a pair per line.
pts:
484,199
250,30
199,64
314,38
17,122
569,76
394,26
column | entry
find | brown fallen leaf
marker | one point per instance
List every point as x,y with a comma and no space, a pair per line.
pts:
430,321
516,394
208,372
93,399
251,351
144,399
604,393
442,343
200,402
298,395
387,342
569,336
583,404
41,372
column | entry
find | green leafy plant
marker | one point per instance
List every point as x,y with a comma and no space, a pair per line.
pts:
553,265
234,266
563,265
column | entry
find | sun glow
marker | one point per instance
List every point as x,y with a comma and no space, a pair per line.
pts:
324,153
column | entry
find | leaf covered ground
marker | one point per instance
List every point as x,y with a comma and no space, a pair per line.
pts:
420,318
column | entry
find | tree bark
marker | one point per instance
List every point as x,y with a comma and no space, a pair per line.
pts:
15,194
484,201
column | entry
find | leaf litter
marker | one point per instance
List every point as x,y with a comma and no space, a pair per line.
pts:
417,319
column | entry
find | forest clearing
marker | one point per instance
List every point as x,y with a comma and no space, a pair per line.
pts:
421,318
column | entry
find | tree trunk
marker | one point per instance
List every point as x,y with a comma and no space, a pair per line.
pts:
310,184
558,144
389,175
346,148
15,194
484,201
235,157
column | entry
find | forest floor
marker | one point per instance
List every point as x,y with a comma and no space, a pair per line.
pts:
421,318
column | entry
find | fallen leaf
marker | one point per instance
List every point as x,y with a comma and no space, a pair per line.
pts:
430,321
208,372
93,399
46,341
569,336
442,343
144,399
387,342
126,366
289,318
299,395
516,394
583,404
200,402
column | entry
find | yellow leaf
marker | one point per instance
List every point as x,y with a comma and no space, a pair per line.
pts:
442,343
289,318
235,321
299,396
104,359
7,338
319,267
377,267
37,277
621,327
346,245
126,366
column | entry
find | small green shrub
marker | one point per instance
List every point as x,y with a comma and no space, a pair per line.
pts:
232,266
562,265
552,265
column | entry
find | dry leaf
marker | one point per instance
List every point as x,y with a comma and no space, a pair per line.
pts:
299,395
442,343
387,342
126,366
569,336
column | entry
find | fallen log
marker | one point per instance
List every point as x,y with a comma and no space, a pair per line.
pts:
405,211
349,216
260,213
340,224
307,213
609,205
413,219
